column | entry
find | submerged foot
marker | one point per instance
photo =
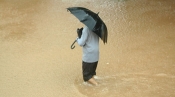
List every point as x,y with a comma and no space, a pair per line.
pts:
93,82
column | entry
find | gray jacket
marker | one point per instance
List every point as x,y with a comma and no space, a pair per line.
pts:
90,43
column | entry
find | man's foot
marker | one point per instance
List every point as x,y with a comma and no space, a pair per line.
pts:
92,81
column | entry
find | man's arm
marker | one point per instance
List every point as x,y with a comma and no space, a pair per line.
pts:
81,41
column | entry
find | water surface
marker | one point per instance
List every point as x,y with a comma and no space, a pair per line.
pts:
36,59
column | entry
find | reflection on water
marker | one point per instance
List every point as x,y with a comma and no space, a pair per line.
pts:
36,59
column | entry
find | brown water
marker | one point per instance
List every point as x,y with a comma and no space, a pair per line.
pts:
36,59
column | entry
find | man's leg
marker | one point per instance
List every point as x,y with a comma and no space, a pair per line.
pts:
89,72
94,68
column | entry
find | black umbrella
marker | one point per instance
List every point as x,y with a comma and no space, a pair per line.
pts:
91,20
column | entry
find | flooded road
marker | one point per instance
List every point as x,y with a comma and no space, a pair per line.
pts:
36,59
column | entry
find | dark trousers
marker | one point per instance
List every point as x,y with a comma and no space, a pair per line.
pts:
89,70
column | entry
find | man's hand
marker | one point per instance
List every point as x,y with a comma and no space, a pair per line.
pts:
79,32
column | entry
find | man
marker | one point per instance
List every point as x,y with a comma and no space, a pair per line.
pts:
90,43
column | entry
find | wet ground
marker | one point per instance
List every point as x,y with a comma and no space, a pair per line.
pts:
36,59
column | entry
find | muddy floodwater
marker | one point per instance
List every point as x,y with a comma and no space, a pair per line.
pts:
36,59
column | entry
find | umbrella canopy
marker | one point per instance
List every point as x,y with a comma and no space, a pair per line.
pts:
91,20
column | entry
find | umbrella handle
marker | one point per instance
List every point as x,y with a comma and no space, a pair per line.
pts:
72,46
